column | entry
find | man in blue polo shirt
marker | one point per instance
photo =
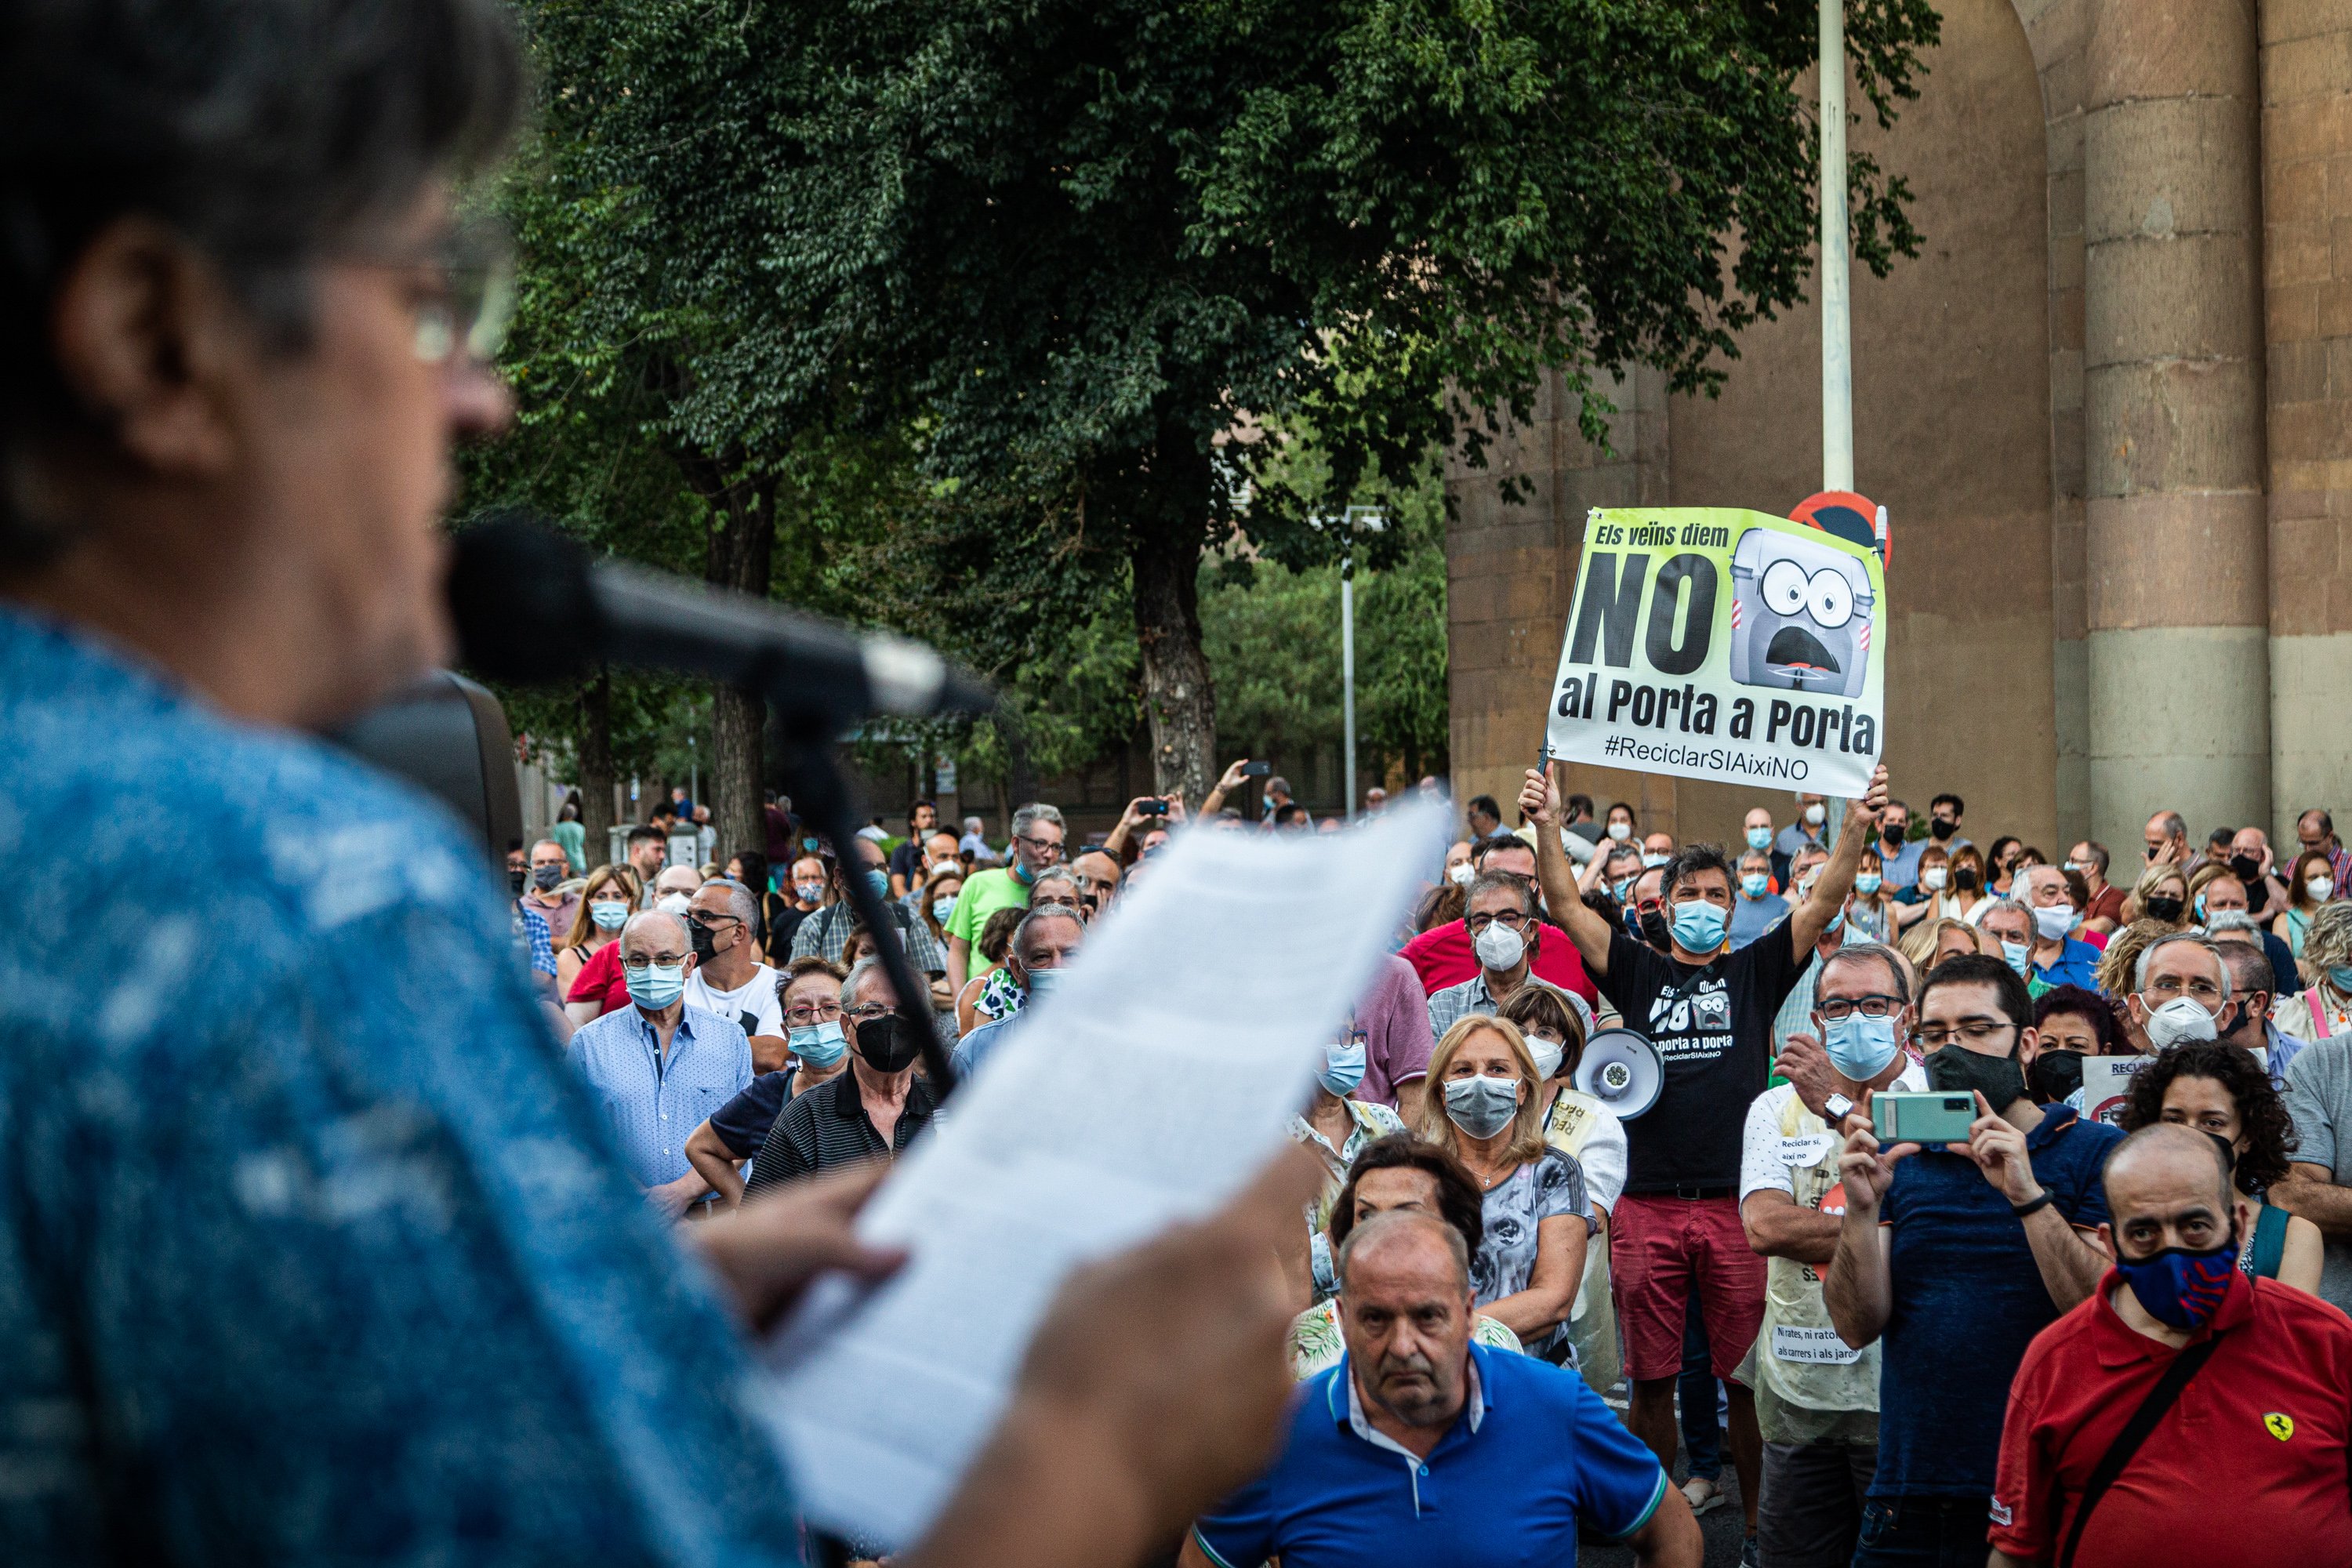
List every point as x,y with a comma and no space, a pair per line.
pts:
1423,1450
1955,1257
2058,959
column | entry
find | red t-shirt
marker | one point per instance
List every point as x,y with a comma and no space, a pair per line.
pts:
602,976
2107,903
1442,957
2247,1468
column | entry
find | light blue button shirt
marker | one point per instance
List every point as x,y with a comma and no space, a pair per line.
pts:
652,1103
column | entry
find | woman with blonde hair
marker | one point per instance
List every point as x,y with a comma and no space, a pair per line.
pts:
2323,1007
2161,894
2116,971
1930,943
606,900
1484,1109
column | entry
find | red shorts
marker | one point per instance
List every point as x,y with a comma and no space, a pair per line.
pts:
1658,1248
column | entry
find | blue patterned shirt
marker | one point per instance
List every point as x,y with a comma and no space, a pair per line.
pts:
652,1103
312,1249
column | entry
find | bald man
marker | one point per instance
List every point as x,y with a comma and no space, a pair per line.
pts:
1519,1451
2256,1427
658,1065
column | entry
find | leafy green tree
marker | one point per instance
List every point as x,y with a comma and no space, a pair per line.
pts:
1085,240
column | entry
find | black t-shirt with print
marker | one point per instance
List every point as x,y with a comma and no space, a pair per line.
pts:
1712,1024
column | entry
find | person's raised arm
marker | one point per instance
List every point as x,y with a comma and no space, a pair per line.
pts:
1863,814
1231,780
1859,1288
1114,843
1563,901
2070,1266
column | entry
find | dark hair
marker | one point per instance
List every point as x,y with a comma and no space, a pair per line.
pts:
1691,859
1984,969
2220,835
1959,807
1632,815
996,935
1482,806
2076,887
1603,903
265,131
1486,881
1485,847
755,870
1458,1201
1288,812
1442,904
1577,805
2262,1119
918,805
2076,1002
647,832
1541,1004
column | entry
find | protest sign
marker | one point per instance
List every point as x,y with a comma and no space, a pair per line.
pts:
1721,644
2106,1082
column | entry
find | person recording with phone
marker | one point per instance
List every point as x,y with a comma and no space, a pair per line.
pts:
1817,1400
312,1249
1952,1258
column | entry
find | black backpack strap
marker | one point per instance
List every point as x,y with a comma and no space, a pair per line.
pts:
2161,1399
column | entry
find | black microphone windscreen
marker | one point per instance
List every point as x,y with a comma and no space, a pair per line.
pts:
521,597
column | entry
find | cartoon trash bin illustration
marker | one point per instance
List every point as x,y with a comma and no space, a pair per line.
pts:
1800,616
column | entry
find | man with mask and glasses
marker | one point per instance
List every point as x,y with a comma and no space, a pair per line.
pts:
730,980
1817,1396
1045,942
1499,916
2216,1408
2180,988
659,1066
1953,1259
1037,842
1708,1011
2056,957
874,1110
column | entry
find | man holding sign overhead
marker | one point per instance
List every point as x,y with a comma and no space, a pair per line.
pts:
1708,1011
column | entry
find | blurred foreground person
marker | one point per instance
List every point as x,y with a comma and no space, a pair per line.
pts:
312,1249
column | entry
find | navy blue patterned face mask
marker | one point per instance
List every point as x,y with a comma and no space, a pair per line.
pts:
2182,1288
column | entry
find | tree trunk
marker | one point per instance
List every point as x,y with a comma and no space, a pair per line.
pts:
740,552
596,766
1164,551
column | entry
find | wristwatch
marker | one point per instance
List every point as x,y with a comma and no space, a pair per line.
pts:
1836,1108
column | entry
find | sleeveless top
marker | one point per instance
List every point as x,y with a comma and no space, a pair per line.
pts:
2260,1257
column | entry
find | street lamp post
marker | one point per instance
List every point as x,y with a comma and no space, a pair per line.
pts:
1837,322
1351,521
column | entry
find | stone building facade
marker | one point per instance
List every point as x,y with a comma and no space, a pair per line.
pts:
2109,410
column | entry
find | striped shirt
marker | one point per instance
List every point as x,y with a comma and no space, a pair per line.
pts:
826,932
828,1127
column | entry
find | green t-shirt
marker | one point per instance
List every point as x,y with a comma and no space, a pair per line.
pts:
987,893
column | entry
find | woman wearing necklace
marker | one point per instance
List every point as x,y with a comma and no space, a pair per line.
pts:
1337,1128
1484,1110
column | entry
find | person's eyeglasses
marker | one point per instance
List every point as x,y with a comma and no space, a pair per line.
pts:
1832,1008
2170,986
1509,919
472,296
818,1012
865,1011
1967,1031
664,960
708,922
1043,848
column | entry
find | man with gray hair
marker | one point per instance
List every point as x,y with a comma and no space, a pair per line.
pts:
1499,913
1816,1398
1044,944
729,980
871,1111
2180,987
2056,957
1037,842
1504,1457
659,1067
825,935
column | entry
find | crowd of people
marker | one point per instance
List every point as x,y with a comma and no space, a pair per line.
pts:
1913,1351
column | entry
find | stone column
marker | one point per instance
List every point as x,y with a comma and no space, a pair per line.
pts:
2176,552
2307,275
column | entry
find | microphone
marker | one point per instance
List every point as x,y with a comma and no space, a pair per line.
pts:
533,606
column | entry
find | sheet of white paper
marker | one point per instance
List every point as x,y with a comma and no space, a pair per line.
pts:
1152,1086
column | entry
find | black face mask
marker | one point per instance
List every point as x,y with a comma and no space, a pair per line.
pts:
2246,868
1964,880
699,934
515,881
2054,1075
1942,829
544,877
2165,908
1655,930
889,1043
1892,835
1956,1070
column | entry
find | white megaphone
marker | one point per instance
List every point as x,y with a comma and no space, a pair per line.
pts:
1622,1071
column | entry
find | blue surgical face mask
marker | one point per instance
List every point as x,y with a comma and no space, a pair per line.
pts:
1759,839
880,880
610,914
1482,1106
818,1045
1753,884
1698,926
1866,883
1860,1047
1343,1066
1042,982
1623,888
943,908
2182,1288
2341,978
655,986
2017,954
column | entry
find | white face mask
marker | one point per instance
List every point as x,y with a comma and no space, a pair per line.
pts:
1461,873
1500,949
1815,816
1621,831
2321,889
2179,1021
1548,1054
1932,879
2053,921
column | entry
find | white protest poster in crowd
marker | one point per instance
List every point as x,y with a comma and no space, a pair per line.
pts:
2106,1084
1720,644
1155,1082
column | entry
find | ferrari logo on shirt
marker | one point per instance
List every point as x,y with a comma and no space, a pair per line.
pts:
2280,1427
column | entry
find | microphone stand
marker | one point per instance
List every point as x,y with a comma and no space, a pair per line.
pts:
817,788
